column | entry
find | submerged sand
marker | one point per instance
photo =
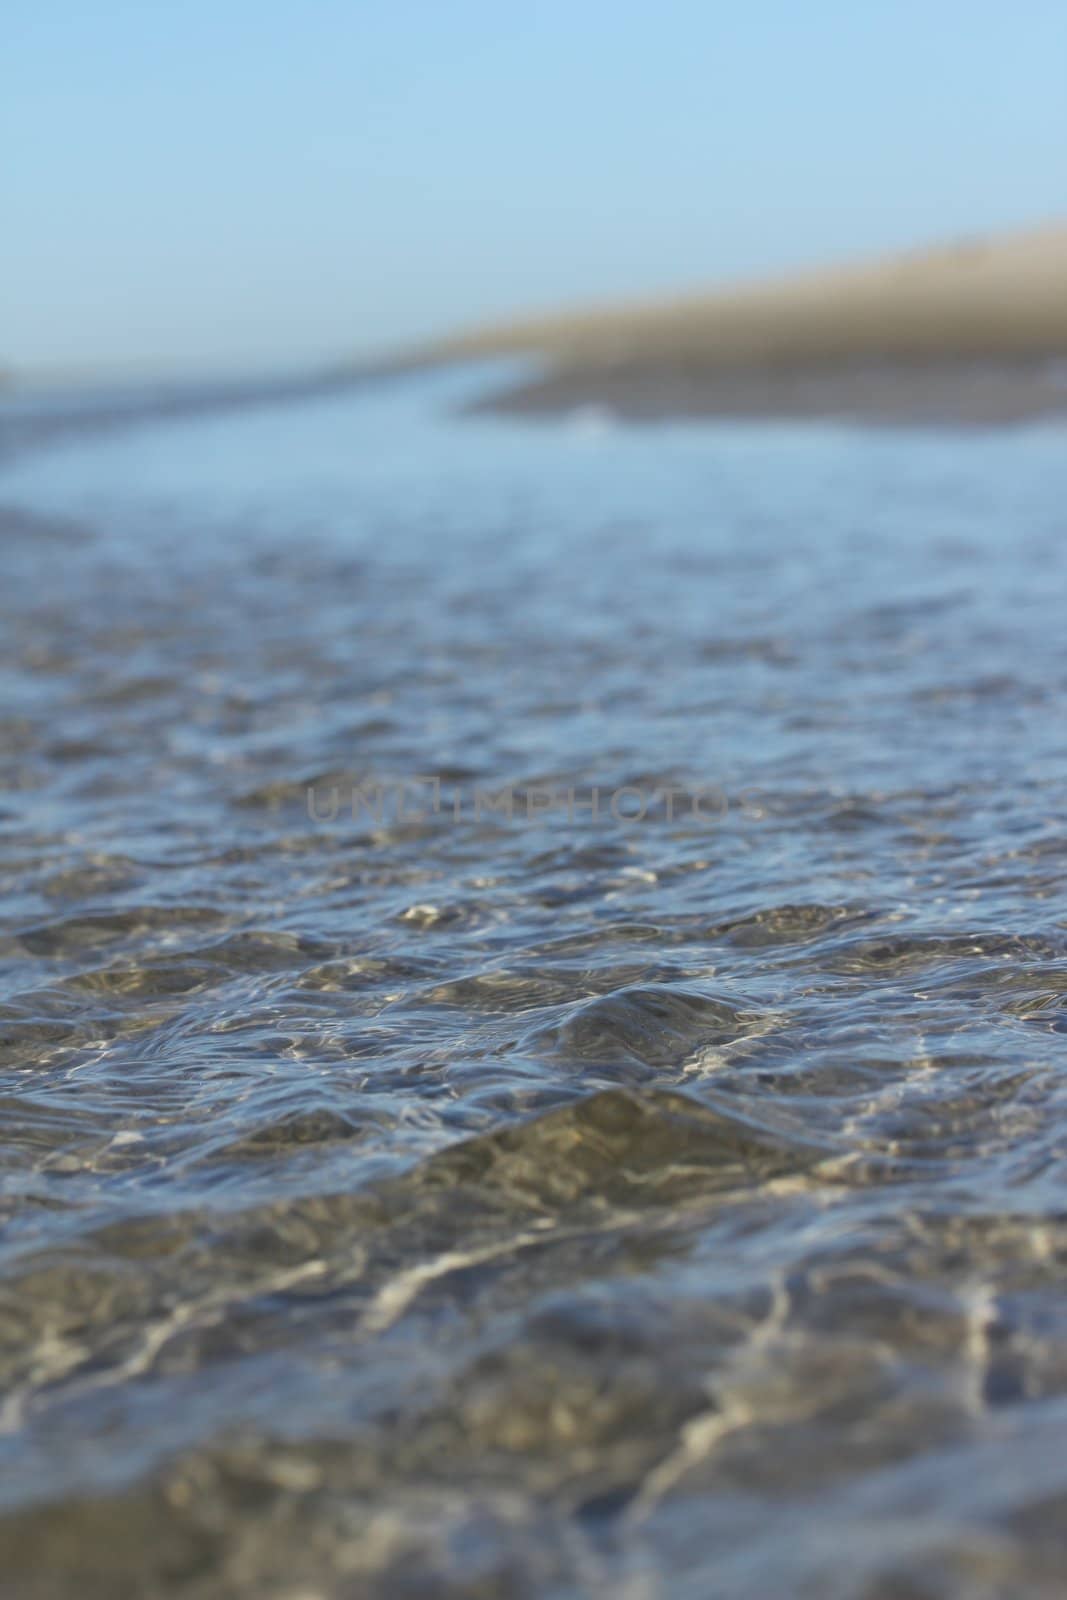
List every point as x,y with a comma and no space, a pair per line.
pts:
974,332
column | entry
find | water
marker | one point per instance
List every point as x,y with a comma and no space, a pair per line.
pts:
458,1204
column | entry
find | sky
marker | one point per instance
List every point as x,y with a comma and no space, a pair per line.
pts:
223,184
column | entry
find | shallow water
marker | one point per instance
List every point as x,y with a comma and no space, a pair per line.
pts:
458,1203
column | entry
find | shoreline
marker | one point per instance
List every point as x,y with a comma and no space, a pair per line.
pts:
32,419
971,334
967,394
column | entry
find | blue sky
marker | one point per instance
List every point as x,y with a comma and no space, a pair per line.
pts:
223,183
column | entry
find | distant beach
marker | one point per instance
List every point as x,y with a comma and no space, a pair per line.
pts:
969,333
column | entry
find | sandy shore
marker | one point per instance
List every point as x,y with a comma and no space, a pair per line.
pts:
974,333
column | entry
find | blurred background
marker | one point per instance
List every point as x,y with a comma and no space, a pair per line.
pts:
222,187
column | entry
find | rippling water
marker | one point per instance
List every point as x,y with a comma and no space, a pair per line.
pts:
470,1205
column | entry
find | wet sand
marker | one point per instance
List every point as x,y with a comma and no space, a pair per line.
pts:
31,418
953,394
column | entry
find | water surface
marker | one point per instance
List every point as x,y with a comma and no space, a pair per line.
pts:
536,1205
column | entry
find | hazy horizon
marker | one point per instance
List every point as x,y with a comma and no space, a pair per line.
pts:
234,187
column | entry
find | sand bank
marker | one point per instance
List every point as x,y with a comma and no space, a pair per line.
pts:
974,332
